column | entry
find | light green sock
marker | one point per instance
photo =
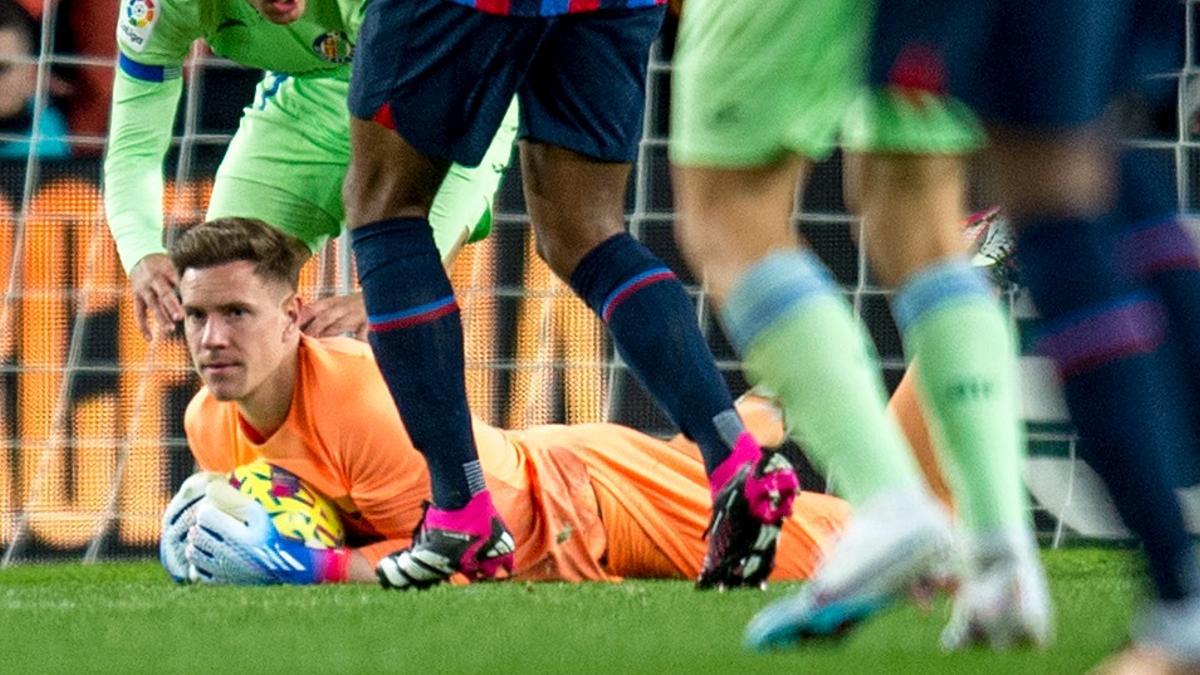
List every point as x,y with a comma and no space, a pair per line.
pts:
966,374
800,340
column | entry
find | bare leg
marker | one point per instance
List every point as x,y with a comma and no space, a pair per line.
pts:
387,177
912,208
729,219
575,202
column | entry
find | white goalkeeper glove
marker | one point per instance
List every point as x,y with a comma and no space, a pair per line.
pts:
234,542
178,519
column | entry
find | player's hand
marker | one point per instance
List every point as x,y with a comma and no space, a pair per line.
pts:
178,519
155,292
234,542
335,316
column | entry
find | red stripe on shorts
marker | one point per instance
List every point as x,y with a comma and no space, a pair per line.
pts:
383,117
492,6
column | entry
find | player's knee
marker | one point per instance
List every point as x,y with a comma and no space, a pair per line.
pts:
563,241
371,197
559,253
1060,176
691,241
387,178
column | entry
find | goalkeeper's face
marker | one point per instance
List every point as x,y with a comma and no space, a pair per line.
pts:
242,331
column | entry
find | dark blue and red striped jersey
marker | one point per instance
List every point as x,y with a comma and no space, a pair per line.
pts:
552,7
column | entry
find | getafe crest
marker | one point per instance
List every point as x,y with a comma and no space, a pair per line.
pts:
334,47
137,22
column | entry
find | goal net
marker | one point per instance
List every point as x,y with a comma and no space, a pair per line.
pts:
91,414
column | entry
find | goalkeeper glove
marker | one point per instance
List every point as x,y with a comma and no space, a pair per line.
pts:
234,542
179,517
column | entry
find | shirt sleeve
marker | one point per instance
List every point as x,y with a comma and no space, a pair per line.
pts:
138,137
159,32
153,40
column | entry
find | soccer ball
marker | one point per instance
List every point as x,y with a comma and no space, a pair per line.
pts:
297,510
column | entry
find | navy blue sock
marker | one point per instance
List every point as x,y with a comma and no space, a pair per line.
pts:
1107,336
416,334
654,327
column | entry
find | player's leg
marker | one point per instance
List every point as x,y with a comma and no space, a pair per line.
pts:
1107,336
409,76
1125,399
813,355
949,316
952,323
737,162
1159,248
575,178
1162,253
905,406
582,121
1106,333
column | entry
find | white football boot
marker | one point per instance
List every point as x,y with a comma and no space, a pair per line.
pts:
1003,601
894,543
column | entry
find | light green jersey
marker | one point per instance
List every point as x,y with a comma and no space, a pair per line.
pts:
154,37
160,33
288,158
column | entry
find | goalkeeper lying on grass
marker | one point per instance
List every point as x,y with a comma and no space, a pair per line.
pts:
584,502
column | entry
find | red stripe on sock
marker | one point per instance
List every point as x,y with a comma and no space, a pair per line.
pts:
417,320
623,295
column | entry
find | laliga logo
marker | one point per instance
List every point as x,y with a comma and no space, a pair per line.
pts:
140,13
333,46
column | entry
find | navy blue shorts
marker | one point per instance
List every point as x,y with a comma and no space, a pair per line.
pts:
1034,64
446,74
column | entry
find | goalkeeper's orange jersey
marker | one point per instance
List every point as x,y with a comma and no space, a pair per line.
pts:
584,502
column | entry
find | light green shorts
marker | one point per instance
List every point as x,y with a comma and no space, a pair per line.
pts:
755,81
910,123
288,158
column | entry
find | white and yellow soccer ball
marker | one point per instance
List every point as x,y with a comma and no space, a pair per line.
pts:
297,510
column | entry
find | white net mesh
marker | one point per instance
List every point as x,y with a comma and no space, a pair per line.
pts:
91,415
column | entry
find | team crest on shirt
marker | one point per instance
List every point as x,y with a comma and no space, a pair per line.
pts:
137,23
334,47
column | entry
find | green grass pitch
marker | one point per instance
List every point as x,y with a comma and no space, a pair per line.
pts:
130,618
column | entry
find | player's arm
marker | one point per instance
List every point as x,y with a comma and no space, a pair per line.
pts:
153,39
